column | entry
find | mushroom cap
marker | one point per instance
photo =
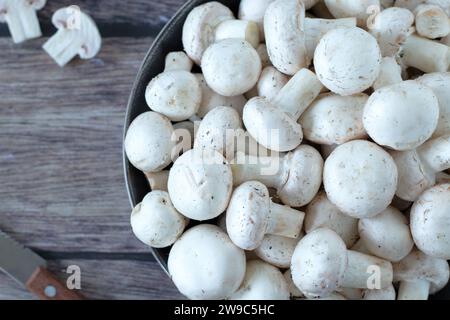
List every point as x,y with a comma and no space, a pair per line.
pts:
360,178
401,116
418,266
321,213
175,94
262,282
387,235
271,128
200,184
248,215
319,263
347,60
231,67
333,119
199,28
148,142
205,264
277,250
304,168
156,222
271,82
430,222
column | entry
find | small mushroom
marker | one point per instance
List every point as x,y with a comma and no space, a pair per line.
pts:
390,73
430,226
420,275
21,17
431,21
347,60
231,67
178,60
75,36
352,8
321,264
156,222
401,116
360,178
386,294
270,83
148,142
277,250
204,264
295,293
262,282
254,10
333,119
251,215
200,184
387,235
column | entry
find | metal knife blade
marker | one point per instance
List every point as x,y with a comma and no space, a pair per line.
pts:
18,261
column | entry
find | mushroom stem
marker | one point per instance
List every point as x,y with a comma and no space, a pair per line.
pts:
436,153
414,290
63,46
285,221
23,23
240,29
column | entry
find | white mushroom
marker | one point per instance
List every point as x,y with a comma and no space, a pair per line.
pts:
21,17
277,250
401,116
148,142
254,10
390,73
205,264
158,180
200,184
387,235
77,35
431,21
360,178
413,4
386,294
420,275
321,213
251,215
270,83
333,119
347,61
295,293
430,222
231,67
352,8
360,247
178,60
238,29
262,282
156,222
322,264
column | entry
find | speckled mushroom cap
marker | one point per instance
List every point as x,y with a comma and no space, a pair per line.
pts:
430,222
418,266
205,264
319,263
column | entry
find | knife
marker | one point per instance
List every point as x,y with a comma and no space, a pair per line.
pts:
29,269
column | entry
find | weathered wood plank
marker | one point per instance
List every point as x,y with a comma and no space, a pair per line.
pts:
106,279
60,147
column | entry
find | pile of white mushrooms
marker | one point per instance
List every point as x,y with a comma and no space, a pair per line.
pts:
309,159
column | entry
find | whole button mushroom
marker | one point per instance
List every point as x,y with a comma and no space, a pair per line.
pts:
205,265
401,116
387,235
351,8
418,168
156,222
262,282
431,21
321,264
251,215
231,67
296,176
430,222
333,119
148,142
273,124
420,275
347,60
80,37
360,178
277,250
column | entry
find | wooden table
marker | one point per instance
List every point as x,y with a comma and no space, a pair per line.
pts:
62,190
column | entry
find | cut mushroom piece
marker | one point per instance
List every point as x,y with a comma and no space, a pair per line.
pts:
360,178
262,282
387,235
420,275
347,61
386,294
270,83
402,116
431,21
295,293
430,222
322,264
352,8
200,184
178,60
390,73
277,250
156,222
251,215
21,17
333,119
205,264
254,10
80,37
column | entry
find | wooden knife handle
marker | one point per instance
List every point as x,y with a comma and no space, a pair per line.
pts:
47,287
